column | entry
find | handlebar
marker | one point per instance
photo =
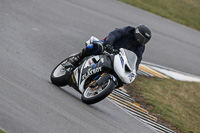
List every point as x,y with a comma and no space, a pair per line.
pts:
109,48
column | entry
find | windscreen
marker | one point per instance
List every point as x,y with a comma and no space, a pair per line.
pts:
131,57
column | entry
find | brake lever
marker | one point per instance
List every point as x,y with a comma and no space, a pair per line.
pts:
109,48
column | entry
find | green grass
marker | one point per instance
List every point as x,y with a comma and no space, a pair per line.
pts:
186,12
174,103
1,131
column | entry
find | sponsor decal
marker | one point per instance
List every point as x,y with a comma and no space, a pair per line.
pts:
74,80
90,72
122,62
131,77
90,62
94,66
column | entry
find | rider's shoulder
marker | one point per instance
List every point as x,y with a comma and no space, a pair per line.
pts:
129,28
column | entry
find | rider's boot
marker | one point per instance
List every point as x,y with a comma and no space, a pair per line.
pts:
77,58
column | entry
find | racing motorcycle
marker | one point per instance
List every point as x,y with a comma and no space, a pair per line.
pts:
98,75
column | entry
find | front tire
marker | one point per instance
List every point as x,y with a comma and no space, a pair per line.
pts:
92,95
59,75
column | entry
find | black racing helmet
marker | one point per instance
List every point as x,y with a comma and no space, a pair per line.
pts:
142,34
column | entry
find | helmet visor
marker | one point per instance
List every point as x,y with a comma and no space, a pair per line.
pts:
140,38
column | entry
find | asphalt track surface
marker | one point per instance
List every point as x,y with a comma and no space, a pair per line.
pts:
35,35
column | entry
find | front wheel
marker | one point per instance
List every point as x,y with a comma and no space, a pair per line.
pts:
95,94
59,75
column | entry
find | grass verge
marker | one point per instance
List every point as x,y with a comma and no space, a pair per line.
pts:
174,103
186,12
1,131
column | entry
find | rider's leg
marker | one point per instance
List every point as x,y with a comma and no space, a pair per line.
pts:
92,49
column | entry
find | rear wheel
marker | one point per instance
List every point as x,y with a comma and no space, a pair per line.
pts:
94,94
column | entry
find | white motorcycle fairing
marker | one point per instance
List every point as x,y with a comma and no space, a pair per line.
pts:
125,65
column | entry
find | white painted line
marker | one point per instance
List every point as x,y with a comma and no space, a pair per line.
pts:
176,75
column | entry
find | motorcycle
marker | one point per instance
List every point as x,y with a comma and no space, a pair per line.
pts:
97,75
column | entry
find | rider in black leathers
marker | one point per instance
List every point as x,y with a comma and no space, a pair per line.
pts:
131,38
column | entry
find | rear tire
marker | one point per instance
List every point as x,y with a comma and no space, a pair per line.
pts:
89,96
